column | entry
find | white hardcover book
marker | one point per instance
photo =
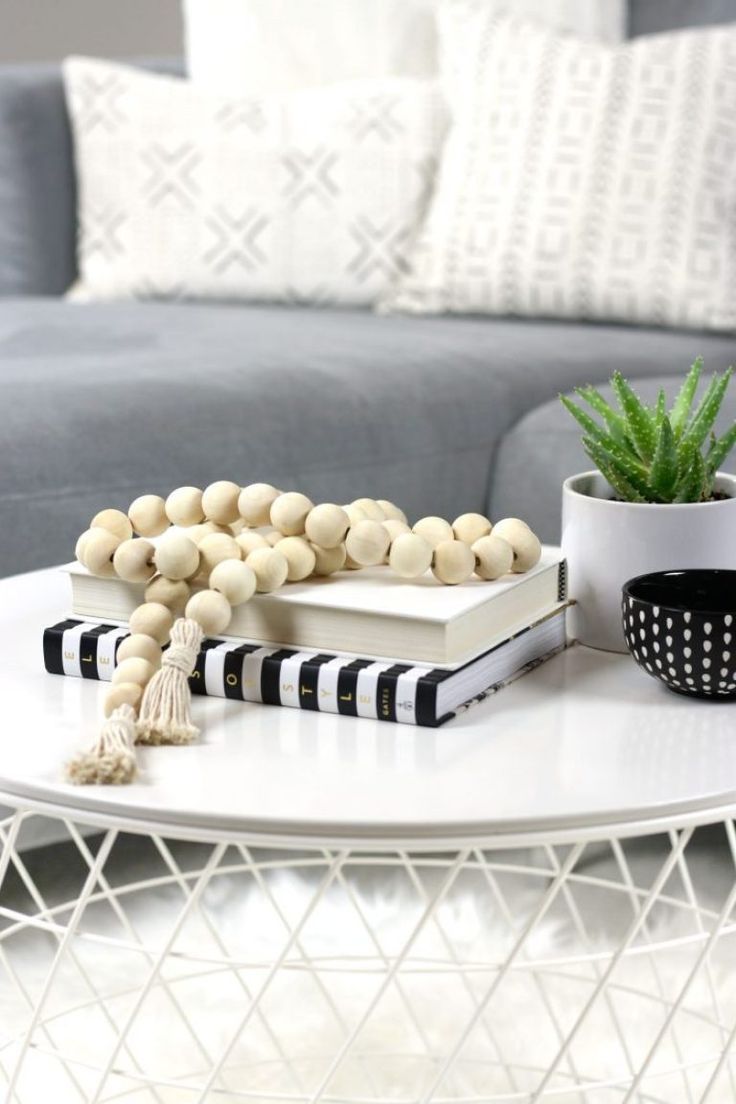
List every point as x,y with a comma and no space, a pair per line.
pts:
370,612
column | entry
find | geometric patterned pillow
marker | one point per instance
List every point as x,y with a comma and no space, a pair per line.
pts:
308,197
581,180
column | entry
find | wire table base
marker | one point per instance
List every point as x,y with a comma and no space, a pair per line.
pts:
153,969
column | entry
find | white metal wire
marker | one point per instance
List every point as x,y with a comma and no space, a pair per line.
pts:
156,970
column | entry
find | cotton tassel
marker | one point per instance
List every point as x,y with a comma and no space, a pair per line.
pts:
112,760
165,712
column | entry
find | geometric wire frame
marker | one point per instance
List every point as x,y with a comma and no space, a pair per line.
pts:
160,970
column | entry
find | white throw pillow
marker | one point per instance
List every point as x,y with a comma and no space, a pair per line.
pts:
313,197
261,46
583,181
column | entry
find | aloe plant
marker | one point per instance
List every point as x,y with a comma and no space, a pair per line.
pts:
651,454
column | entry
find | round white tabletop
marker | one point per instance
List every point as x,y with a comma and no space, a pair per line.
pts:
586,740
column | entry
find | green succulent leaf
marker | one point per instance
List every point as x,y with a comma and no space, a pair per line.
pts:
589,426
681,406
623,488
720,449
702,420
640,425
648,455
616,424
693,483
665,465
627,467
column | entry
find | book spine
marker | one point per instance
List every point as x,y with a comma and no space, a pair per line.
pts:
276,676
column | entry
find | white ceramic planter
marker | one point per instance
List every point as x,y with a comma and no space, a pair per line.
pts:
607,542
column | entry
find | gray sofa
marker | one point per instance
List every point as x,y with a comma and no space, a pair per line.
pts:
100,403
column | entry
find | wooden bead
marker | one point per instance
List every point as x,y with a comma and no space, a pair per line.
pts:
184,506
434,530
148,515
327,525
177,557
410,555
122,693
299,557
509,520
214,549
471,527
197,533
289,513
350,563
395,527
211,610
234,580
99,549
391,511
249,539
270,567
220,502
453,562
328,560
370,508
254,503
142,646
81,543
236,527
526,546
272,537
356,513
133,560
115,521
152,619
172,593
134,669
367,543
494,557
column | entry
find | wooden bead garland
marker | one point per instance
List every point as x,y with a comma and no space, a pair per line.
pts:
271,568
184,507
220,502
240,540
300,558
327,525
172,593
133,560
115,521
453,562
289,513
434,530
148,515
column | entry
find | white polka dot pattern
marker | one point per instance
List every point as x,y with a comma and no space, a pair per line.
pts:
698,659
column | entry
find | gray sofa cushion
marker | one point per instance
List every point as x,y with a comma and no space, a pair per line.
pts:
104,402
651,16
544,448
37,217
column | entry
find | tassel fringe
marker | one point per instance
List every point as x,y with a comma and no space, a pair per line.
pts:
165,713
112,760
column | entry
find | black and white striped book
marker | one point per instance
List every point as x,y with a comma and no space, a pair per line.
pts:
358,687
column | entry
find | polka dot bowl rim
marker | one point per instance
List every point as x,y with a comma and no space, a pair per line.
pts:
677,581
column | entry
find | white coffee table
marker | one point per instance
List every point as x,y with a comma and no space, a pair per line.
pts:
515,907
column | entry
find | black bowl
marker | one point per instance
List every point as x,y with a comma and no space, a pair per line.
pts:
680,627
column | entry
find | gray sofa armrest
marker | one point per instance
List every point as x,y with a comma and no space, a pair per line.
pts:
37,184
37,195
